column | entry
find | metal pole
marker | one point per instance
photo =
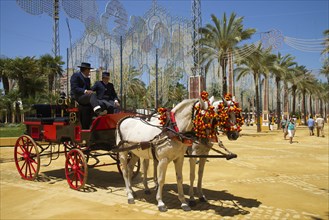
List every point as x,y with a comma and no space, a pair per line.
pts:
242,101
121,87
67,72
156,79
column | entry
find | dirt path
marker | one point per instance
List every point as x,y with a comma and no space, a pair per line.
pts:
270,179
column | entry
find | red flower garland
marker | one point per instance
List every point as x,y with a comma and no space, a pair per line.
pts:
163,115
203,119
223,115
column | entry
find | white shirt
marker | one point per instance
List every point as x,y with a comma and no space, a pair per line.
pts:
319,122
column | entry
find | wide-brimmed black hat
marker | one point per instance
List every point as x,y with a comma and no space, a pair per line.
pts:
105,74
85,65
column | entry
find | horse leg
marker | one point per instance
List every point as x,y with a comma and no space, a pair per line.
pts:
124,168
146,163
155,174
192,178
131,164
162,169
179,177
202,163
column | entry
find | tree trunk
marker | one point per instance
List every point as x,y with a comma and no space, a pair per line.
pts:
224,78
278,101
256,78
5,83
310,104
230,74
285,99
294,88
304,106
50,83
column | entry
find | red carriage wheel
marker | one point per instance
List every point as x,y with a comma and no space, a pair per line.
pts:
27,158
136,168
76,169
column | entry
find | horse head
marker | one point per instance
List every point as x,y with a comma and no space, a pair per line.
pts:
229,117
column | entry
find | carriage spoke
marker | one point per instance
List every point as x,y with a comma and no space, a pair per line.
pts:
26,168
75,180
22,148
32,166
79,178
29,166
22,167
75,169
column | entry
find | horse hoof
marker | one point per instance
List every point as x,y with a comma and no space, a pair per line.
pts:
203,199
186,208
162,208
147,192
192,203
131,201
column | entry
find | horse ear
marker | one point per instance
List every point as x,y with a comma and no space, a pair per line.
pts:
202,104
224,101
212,99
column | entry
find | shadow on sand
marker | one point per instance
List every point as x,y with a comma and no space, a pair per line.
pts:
234,205
96,179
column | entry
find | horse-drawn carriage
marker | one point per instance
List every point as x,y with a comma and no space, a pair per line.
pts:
71,130
126,139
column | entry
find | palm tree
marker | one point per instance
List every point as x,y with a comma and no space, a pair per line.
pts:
306,85
295,78
218,42
326,42
177,93
52,68
133,88
325,69
4,72
259,62
281,65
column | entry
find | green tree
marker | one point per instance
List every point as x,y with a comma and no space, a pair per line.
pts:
4,74
326,42
219,40
51,67
281,65
306,86
258,63
133,88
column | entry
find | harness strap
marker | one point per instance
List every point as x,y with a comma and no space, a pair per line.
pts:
140,145
173,121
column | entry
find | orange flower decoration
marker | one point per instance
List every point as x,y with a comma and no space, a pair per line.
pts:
163,115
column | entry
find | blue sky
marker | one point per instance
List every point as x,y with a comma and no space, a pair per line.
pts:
23,34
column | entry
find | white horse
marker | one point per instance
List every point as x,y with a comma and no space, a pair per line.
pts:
148,140
228,125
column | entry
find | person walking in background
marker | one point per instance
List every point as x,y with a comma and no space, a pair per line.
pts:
319,124
310,125
80,89
284,127
105,93
270,123
291,128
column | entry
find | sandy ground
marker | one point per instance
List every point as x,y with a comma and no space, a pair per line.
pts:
270,179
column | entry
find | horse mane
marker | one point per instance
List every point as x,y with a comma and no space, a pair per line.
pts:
183,104
183,114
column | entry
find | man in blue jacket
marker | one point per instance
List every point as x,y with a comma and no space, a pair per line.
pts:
106,93
81,91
